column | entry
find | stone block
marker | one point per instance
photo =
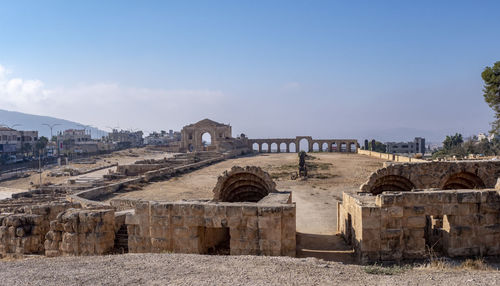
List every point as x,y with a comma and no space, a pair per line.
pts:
391,211
451,209
249,210
415,222
387,234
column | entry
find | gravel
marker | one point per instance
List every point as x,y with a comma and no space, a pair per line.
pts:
187,269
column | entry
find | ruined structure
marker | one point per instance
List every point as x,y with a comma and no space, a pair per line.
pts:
284,144
250,184
438,175
220,134
247,216
412,210
409,225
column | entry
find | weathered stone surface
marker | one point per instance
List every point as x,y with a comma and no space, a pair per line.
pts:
440,175
458,223
83,232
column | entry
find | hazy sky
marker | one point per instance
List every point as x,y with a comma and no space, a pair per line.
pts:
392,69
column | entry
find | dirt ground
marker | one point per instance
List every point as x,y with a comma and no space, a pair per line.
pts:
191,269
316,197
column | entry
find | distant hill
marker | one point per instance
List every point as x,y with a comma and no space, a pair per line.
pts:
34,122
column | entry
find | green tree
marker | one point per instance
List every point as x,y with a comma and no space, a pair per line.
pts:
451,142
379,147
491,78
41,144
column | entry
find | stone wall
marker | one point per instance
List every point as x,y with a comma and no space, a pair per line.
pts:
81,232
390,157
204,227
24,232
409,225
440,175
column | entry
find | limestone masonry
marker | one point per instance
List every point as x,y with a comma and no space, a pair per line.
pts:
403,210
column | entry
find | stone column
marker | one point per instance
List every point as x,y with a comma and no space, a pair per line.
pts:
279,147
260,147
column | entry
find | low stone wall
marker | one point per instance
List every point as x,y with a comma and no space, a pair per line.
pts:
390,157
136,169
81,232
202,227
405,225
24,232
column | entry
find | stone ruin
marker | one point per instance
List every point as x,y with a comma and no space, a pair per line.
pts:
247,216
455,213
403,211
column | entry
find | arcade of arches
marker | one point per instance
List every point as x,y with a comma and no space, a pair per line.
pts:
303,143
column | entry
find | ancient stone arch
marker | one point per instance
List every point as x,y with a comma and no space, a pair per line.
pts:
192,135
438,175
249,184
392,183
463,180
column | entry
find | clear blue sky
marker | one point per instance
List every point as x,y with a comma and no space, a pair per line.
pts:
391,69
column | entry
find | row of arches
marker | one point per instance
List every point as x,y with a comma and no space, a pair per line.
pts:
457,181
304,145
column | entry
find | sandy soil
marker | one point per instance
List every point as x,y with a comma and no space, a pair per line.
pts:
185,269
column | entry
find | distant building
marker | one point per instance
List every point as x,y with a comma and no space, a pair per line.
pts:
125,139
74,135
482,136
417,146
12,141
163,138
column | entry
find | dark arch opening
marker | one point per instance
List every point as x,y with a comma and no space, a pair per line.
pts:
244,187
463,180
392,183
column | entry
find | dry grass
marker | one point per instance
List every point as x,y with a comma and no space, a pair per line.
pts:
448,264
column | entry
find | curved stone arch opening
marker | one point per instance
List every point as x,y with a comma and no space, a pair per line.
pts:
292,147
255,147
265,147
463,180
206,139
343,147
352,147
334,146
274,147
304,145
315,147
282,147
392,183
324,147
249,184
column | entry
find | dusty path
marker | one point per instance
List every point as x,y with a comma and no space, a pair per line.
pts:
185,269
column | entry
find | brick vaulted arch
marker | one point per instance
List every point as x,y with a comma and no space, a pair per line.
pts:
249,184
